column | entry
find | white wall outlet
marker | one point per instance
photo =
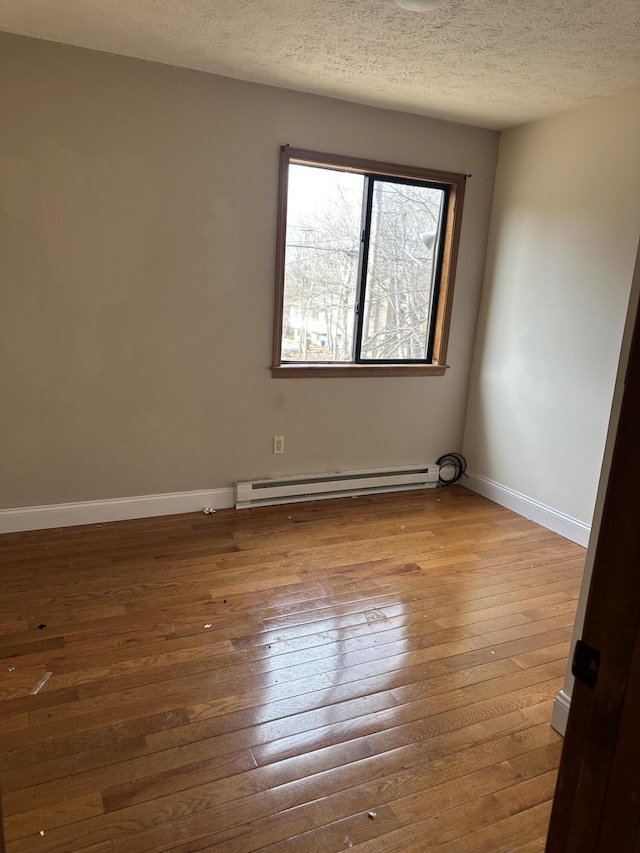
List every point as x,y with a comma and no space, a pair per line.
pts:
278,444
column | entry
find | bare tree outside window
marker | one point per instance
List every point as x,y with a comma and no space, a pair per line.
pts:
362,265
321,266
400,271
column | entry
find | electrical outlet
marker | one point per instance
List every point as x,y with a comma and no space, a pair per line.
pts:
278,444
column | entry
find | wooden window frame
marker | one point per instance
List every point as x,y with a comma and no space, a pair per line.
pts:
452,223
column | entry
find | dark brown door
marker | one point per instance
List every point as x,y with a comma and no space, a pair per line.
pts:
597,801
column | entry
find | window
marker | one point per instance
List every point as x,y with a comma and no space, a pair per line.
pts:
365,266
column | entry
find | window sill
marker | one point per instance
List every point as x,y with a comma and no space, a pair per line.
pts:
325,371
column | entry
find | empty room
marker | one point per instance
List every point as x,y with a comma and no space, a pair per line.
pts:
319,392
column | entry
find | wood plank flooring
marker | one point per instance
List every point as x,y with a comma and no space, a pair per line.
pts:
263,680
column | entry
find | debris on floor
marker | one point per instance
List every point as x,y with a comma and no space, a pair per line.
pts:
38,687
12,669
41,626
208,625
208,510
372,815
348,841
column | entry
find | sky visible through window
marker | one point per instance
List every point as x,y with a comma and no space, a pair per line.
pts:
323,243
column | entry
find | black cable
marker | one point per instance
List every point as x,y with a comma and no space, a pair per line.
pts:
455,461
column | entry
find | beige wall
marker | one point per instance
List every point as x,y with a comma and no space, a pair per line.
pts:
562,246
606,468
137,247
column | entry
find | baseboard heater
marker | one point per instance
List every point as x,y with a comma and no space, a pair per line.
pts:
317,487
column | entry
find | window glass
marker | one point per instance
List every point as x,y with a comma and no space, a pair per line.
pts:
402,259
324,210
365,268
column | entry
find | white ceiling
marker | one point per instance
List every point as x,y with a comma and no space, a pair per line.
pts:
495,63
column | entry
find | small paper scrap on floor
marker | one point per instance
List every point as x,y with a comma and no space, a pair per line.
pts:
372,815
42,832
208,625
348,841
38,687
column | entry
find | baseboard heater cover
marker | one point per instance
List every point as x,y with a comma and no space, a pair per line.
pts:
318,487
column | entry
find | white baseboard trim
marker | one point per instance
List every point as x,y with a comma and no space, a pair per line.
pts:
560,713
544,515
116,509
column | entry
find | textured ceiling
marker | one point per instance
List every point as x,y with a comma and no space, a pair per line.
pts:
495,63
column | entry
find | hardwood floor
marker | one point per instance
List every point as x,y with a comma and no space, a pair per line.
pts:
265,679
